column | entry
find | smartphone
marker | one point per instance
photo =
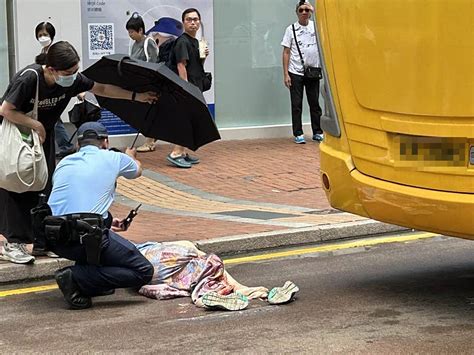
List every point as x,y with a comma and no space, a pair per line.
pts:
125,223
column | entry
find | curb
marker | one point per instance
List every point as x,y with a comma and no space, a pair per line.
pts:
44,268
293,237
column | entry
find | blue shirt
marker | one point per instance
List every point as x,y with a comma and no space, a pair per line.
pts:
85,181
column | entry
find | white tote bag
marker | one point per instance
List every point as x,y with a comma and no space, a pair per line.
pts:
23,165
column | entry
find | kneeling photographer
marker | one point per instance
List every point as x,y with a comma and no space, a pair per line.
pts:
76,223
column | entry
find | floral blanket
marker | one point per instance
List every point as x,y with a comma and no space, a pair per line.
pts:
182,270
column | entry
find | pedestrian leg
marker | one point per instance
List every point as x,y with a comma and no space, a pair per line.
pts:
62,138
296,97
312,95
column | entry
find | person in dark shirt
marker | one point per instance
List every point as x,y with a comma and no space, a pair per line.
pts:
190,67
45,33
59,80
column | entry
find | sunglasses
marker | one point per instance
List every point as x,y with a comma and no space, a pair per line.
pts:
304,10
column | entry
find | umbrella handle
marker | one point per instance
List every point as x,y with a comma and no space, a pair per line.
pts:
70,139
135,140
146,118
119,64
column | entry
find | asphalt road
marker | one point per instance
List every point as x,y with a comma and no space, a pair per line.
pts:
412,297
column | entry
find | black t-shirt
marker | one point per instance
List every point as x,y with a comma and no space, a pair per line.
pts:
52,99
187,48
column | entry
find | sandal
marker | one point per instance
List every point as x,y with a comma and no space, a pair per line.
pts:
147,147
281,295
191,159
180,161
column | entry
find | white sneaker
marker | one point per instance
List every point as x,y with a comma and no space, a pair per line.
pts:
232,302
16,253
285,294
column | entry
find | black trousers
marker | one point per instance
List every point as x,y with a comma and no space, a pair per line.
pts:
298,84
122,266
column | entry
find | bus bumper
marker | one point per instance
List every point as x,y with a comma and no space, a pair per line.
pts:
429,210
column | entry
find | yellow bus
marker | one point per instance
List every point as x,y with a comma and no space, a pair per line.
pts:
399,115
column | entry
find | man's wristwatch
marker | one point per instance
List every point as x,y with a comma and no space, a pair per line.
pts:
134,95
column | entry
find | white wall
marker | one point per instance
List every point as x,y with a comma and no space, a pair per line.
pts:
65,15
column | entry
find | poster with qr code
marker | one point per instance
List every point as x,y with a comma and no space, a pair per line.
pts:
104,32
101,40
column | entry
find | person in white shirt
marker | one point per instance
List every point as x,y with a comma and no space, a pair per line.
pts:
302,34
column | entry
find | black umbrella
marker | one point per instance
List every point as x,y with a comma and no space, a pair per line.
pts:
180,116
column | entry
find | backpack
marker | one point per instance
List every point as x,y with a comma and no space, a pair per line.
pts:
165,53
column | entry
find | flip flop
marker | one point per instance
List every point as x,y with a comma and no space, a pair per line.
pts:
281,295
180,162
232,302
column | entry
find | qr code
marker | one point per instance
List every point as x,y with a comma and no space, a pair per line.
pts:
101,37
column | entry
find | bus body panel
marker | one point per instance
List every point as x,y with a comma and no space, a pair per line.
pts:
401,75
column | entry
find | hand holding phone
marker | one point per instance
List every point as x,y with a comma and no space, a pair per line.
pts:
125,223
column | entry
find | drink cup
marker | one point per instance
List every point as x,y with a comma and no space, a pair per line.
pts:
202,48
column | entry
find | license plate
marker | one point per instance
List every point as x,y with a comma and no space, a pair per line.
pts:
419,151
471,155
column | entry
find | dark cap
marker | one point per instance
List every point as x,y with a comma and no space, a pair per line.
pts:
92,130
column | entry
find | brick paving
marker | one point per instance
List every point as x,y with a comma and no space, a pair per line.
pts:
275,171
264,170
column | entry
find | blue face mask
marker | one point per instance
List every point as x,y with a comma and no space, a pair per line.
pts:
66,80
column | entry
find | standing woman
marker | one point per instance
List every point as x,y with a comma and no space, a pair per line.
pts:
44,33
59,81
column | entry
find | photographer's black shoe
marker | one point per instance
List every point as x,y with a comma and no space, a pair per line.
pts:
70,290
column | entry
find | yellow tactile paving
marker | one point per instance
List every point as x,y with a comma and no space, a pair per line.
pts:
148,191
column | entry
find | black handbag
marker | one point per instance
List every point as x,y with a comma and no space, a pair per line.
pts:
84,111
312,73
206,81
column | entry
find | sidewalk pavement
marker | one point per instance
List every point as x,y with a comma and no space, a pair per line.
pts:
243,196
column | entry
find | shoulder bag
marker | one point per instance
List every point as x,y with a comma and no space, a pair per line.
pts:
23,165
313,73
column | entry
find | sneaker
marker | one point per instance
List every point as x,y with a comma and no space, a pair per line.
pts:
318,137
16,253
38,251
300,140
180,161
285,294
232,302
191,159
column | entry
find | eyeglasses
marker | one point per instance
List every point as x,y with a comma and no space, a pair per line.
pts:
192,19
304,10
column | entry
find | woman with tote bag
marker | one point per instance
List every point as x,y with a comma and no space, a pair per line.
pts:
58,81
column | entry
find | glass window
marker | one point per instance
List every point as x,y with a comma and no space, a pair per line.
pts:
249,88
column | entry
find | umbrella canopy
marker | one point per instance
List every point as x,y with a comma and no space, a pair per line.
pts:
180,116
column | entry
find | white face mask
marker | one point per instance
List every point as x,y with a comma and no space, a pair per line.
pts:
44,41
66,80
